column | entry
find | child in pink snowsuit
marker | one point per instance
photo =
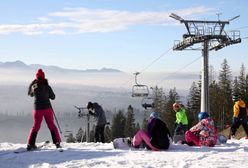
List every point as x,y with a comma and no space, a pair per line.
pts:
42,92
203,133
157,135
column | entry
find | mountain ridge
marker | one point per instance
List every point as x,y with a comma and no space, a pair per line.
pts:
21,65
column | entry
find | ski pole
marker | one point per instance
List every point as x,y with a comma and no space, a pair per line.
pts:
57,122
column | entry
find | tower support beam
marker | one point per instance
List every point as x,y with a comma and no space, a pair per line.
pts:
204,78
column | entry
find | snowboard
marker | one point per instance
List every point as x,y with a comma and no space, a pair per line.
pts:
22,150
122,143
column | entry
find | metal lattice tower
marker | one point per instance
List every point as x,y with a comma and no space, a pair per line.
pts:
212,36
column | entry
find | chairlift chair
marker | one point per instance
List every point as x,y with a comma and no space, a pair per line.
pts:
139,90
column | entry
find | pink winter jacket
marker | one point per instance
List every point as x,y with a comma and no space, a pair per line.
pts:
206,131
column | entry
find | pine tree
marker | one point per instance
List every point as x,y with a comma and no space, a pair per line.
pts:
225,93
216,107
246,91
158,99
118,125
235,86
170,115
130,122
193,103
217,111
242,82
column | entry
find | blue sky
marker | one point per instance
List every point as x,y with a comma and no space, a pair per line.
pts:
129,35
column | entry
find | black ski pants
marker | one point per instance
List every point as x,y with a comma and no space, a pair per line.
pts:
236,124
99,133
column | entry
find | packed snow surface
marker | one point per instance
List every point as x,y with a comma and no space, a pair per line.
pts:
79,155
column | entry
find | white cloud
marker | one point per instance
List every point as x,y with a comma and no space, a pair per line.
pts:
61,32
44,19
83,20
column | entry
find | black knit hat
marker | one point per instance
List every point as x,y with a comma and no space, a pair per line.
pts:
90,105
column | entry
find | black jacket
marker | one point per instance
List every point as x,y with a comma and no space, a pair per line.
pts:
42,93
160,135
99,114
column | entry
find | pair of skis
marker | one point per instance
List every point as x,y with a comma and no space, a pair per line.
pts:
39,147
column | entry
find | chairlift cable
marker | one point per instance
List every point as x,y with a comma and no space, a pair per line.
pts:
243,27
163,54
237,28
171,74
149,65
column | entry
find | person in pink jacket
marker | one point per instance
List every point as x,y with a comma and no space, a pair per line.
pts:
203,133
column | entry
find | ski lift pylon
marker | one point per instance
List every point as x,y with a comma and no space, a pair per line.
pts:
139,90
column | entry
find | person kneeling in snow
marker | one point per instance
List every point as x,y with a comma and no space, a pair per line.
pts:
157,135
203,133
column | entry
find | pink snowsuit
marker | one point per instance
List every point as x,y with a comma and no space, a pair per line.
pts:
202,134
140,136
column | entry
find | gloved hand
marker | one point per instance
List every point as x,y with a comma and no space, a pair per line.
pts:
175,124
90,112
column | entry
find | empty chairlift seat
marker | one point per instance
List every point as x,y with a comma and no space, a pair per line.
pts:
140,91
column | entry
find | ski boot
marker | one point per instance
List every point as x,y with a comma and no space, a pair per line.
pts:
58,145
31,147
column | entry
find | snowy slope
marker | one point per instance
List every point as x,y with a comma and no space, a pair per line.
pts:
232,154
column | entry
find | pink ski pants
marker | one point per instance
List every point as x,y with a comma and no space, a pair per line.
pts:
49,118
142,136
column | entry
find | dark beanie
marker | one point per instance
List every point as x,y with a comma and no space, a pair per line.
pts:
90,105
40,74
